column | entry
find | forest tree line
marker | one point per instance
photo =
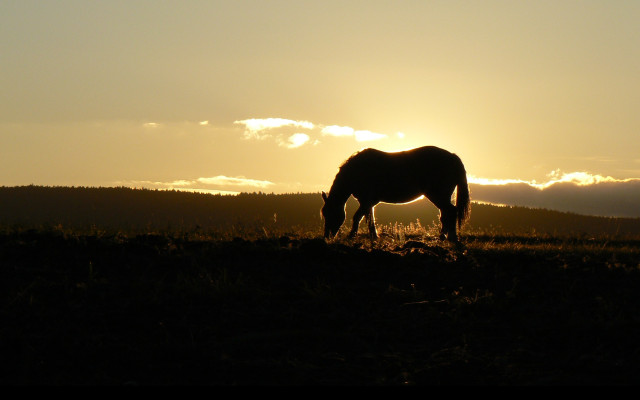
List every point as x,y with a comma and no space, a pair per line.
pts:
143,210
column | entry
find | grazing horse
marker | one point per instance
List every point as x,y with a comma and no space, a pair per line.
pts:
373,176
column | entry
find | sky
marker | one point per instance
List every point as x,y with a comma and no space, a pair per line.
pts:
272,96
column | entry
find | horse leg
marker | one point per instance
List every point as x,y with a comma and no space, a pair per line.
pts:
372,224
357,217
443,234
448,221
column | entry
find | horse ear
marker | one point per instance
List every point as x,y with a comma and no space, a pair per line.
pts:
324,196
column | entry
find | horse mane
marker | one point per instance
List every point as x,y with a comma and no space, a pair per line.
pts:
351,157
343,177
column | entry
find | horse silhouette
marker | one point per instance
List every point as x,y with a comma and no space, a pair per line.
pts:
373,176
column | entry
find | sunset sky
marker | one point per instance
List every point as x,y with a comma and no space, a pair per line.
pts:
272,96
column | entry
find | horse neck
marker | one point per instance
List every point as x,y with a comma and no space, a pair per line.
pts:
340,191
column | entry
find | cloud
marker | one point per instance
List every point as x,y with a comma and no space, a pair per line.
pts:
579,178
177,126
280,130
255,128
179,183
577,192
234,181
364,136
347,131
335,130
295,140
216,185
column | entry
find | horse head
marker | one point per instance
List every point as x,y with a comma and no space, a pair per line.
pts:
333,215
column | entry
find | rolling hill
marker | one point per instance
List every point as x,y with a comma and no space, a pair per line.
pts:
141,210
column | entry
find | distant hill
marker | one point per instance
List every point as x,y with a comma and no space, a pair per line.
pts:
140,210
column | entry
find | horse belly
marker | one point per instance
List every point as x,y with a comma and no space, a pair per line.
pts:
396,198
397,191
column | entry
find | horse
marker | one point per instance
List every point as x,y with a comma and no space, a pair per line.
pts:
373,176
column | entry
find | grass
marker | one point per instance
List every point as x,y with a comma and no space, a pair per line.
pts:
284,307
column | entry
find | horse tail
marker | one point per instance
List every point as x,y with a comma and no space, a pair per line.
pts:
463,200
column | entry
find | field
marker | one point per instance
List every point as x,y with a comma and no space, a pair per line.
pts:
278,305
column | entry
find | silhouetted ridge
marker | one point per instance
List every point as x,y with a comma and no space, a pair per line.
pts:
126,209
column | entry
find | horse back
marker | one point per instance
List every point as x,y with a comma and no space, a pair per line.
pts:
420,163
403,176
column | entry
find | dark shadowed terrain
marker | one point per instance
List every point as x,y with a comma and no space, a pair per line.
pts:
86,302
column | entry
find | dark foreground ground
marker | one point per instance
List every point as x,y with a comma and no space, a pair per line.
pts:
287,310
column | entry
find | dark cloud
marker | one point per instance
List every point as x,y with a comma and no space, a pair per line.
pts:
619,198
